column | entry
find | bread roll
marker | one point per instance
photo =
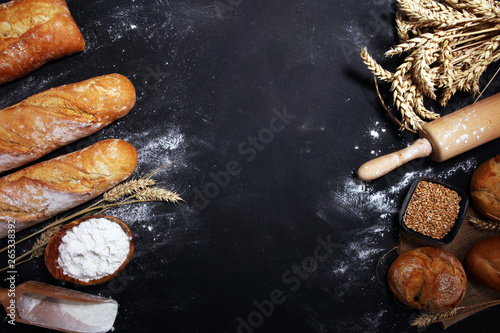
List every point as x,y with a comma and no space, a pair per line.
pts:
58,116
483,262
43,190
485,189
428,278
33,32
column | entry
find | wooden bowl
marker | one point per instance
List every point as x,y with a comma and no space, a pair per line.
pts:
52,252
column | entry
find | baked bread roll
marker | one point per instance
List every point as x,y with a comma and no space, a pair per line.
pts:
33,32
43,190
428,278
485,189
483,262
58,116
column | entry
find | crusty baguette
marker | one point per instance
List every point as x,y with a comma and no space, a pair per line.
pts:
58,116
34,32
43,190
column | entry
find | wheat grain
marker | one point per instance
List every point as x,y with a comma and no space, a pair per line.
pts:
403,28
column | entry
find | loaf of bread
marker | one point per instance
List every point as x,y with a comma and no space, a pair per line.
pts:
483,262
428,278
34,32
43,190
58,116
485,189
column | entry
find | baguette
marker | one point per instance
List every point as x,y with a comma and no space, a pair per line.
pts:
34,32
58,116
43,190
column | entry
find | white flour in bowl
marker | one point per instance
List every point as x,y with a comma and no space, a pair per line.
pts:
93,249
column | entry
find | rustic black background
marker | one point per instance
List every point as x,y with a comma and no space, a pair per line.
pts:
210,76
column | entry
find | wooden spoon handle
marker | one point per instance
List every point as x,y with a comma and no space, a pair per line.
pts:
382,165
46,290
4,297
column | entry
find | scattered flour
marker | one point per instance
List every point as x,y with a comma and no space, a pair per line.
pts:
155,151
360,198
374,134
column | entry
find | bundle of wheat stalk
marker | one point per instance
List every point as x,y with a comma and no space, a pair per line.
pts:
448,45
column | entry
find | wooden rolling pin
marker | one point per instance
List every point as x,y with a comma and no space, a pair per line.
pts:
444,138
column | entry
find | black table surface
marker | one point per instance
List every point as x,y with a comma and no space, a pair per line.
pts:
266,111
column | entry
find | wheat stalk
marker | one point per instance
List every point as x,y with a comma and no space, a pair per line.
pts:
404,29
375,68
484,225
413,43
127,188
426,319
43,240
157,194
424,58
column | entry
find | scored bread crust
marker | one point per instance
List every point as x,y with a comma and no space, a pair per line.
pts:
43,190
58,116
485,188
34,32
427,278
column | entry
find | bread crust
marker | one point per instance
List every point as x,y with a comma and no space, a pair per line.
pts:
34,32
483,262
56,117
428,278
43,190
485,189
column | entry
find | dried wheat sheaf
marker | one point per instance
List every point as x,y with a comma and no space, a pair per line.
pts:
448,45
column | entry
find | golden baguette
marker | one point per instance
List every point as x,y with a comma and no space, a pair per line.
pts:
34,32
58,116
43,190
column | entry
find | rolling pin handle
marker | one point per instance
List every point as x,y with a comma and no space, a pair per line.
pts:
384,164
